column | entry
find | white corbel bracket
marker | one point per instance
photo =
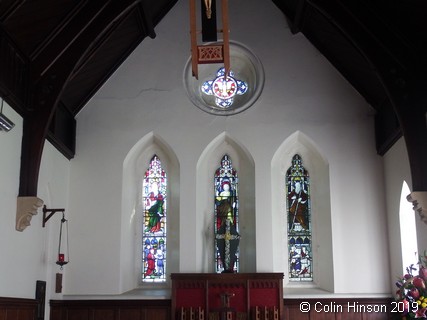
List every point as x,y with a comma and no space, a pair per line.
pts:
26,208
419,202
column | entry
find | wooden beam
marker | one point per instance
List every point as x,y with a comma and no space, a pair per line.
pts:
402,74
14,73
226,36
411,110
193,35
147,20
49,82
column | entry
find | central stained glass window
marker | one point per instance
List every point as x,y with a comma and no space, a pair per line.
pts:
224,88
226,218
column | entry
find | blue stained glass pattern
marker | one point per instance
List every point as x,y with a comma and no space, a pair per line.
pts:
299,222
224,88
154,197
226,224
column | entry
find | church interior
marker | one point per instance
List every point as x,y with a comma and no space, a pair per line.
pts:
155,153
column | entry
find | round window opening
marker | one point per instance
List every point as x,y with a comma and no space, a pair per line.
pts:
218,94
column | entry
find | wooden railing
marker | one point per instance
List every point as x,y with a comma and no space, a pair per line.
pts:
320,309
110,309
18,309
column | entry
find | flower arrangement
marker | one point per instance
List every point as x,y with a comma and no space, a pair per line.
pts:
411,296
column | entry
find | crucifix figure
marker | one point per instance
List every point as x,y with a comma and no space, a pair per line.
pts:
227,240
208,5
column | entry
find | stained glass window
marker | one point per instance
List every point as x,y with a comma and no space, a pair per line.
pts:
299,222
224,88
154,197
226,218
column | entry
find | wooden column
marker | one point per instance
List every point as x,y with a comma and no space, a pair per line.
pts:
48,80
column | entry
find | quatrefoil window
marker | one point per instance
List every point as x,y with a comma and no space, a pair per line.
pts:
224,88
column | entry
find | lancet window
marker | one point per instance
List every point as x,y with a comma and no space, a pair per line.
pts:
154,198
299,222
226,224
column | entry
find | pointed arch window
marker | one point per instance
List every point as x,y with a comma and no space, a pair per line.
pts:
408,230
154,198
226,224
298,211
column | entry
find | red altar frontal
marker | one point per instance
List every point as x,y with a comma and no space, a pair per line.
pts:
227,296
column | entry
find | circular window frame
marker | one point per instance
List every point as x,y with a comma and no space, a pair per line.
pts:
245,65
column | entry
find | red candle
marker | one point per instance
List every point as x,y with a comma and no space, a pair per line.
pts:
61,257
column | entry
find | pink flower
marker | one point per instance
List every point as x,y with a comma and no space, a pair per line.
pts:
414,293
423,273
419,283
421,313
405,306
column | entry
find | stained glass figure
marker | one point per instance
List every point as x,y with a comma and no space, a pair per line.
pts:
224,88
226,218
299,222
154,198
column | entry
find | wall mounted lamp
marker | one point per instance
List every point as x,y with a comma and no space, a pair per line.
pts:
5,123
63,248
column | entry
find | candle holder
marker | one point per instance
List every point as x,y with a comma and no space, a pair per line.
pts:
63,248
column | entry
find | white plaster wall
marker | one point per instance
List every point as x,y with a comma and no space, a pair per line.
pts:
53,189
29,255
397,170
18,248
302,92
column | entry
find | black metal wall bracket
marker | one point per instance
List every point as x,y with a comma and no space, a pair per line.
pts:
51,213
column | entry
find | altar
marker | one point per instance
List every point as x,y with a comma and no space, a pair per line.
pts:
227,296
